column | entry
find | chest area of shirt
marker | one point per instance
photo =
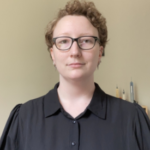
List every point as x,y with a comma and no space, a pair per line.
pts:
86,133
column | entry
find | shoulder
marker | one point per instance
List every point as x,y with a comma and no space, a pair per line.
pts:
32,103
132,118
117,102
121,107
38,106
32,107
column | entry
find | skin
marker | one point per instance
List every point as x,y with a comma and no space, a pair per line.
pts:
76,67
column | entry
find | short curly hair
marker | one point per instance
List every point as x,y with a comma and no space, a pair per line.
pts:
79,8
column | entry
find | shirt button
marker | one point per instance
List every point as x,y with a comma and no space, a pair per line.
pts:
73,143
74,121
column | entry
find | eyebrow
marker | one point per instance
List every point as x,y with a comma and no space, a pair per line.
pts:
82,34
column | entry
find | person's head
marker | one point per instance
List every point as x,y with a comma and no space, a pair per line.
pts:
76,39
79,8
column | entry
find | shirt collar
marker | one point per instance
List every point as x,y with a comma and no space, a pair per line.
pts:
97,105
51,102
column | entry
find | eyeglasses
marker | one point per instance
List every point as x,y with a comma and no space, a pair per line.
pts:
64,43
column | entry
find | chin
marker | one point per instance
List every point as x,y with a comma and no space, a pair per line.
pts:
77,77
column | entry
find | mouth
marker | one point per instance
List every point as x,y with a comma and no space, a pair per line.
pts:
76,65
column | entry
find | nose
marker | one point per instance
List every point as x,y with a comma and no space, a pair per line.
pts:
75,51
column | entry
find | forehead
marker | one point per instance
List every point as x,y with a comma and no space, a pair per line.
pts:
74,26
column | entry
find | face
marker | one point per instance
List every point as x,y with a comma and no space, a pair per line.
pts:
76,64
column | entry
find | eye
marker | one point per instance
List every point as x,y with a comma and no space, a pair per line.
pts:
86,41
63,41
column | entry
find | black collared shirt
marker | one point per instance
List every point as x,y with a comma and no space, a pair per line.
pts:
107,123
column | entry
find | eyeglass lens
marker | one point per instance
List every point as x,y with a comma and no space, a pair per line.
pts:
64,43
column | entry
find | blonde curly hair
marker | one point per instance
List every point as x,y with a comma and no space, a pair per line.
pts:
80,8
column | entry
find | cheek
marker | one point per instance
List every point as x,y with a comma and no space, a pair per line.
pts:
95,60
60,58
95,57
91,60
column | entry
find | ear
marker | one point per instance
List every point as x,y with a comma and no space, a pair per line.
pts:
101,52
52,54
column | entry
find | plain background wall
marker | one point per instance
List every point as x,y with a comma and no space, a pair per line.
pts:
26,70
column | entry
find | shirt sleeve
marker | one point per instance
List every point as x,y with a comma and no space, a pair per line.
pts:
142,128
9,137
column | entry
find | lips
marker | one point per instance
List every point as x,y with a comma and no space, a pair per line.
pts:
76,64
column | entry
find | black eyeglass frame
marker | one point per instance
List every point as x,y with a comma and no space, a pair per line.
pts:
75,39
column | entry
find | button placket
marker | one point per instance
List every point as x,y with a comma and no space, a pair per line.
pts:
74,136
74,121
73,143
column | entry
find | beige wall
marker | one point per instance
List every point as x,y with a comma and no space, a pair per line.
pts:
26,71
128,49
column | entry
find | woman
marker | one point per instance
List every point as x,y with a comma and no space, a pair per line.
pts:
77,114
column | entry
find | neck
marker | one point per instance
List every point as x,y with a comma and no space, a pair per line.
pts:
76,91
